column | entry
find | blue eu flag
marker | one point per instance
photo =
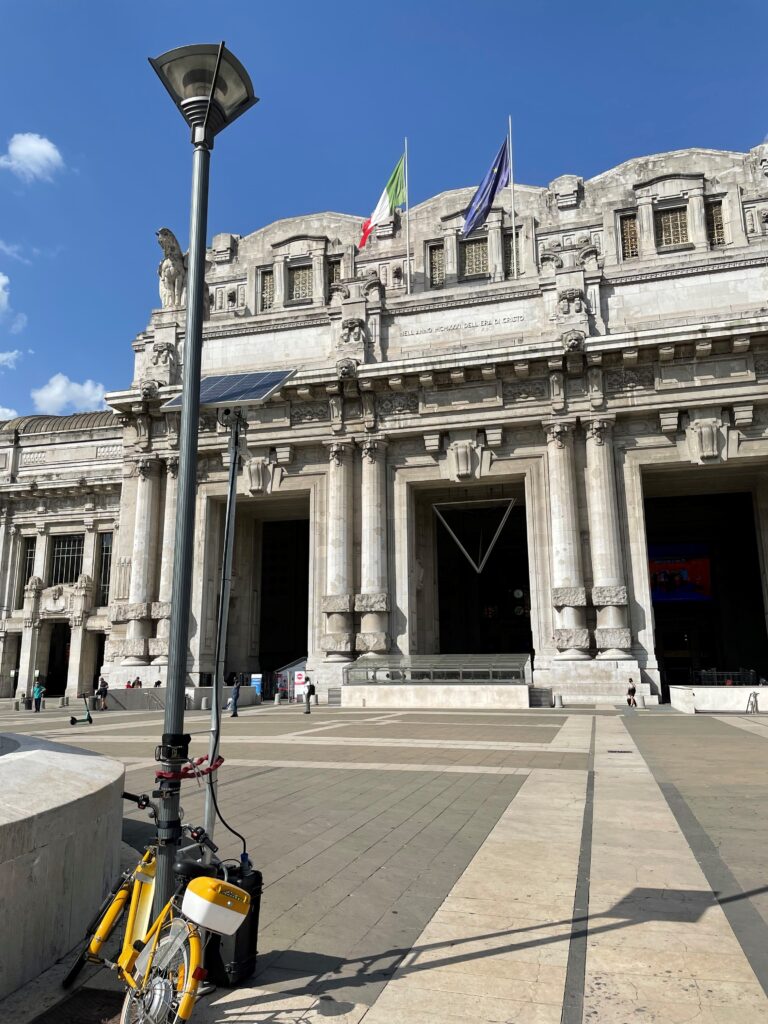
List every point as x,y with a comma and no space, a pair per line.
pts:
482,201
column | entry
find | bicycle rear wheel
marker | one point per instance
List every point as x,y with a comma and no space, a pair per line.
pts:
158,1001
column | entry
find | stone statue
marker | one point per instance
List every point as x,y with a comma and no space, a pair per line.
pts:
172,270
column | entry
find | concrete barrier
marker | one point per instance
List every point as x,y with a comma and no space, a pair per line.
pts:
60,833
434,695
693,699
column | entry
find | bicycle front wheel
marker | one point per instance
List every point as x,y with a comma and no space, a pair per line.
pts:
167,994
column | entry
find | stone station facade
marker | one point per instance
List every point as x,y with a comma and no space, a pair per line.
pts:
627,358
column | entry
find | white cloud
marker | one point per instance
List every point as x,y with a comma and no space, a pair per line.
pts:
8,359
18,323
7,414
13,252
31,156
5,293
61,393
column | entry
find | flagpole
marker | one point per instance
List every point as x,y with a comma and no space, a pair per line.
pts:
512,198
407,227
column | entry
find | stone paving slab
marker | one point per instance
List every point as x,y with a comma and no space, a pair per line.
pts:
428,865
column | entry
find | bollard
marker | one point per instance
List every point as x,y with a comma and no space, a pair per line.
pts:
16,705
277,697
62,702
558,700
640,700
205,704
317,699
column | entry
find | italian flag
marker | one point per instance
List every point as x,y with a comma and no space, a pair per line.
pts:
392,196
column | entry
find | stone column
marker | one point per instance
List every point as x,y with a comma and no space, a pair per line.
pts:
30,638
9,583
337,602
5,561
568,594
373,600
77,684
646,232
137,610
697,224
161,610
609,591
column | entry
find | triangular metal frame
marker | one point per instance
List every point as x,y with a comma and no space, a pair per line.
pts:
452,504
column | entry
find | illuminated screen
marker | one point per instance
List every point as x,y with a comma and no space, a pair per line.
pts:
680,572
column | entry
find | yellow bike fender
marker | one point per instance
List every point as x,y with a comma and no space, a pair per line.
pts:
191,983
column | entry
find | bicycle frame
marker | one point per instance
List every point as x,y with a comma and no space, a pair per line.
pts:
137,894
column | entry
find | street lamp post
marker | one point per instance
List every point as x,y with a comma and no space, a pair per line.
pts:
211,88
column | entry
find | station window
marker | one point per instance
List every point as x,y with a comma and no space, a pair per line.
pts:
300,283
473,258
508,264
436,260
671,226
334,272
105,568
66,558
266,290
628,230
715,229
27,567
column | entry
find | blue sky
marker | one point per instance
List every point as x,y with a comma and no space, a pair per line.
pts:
103,158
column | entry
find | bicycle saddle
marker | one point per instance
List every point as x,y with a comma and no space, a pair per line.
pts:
188,868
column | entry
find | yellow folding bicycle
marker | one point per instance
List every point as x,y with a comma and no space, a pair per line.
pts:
161,962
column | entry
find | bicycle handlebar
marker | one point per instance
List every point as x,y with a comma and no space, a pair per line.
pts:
141,801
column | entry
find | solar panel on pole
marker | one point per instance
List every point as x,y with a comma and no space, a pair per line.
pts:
237,388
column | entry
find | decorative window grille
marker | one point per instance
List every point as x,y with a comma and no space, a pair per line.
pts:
66,558
436,266
474,257
105,568
334,270
267,299
509,266
300,282
715,229
27,567
672,226
629,247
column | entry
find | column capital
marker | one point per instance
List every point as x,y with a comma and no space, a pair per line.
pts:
339,451
599,428
172,466
146,466
373,449
559,432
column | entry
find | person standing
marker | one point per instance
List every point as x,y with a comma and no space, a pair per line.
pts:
102,692
309,693
234,698
631,691
38,693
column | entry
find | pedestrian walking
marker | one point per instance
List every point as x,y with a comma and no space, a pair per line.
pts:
137,683
631,691
234,698
309,693
38,693
158,682
101,693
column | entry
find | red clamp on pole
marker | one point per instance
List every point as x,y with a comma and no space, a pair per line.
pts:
192,770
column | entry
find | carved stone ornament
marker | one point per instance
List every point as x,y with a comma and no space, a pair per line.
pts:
599,430
333,604
352,331
707,437
262,475
557,433
163,353
171,270
603,597
572,639
569,597
371,448
149,388
378,602
145,467
336,453
34,585
172,466
346,369
339,293
613,638
570,300
371,643
573,341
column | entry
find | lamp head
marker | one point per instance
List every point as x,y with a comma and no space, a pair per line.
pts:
208,84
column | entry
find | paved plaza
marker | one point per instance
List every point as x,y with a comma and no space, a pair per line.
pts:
534,867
